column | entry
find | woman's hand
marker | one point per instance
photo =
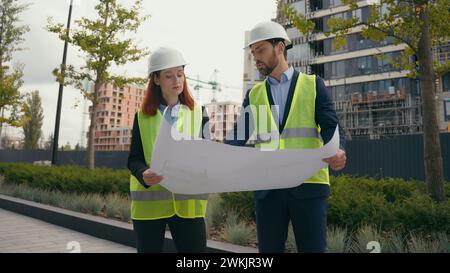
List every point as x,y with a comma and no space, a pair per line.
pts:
151,178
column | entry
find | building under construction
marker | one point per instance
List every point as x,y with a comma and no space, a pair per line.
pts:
372,97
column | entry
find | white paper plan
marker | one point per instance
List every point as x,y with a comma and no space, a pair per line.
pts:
202,166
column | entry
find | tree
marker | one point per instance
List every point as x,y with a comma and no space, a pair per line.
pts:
34,113
102,44
11,36
49,143
67,147
420,25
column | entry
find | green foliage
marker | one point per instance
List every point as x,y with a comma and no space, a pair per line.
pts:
336,240
100,41
297,19
215,212
240,201
390,204
67,179
102,44
114,205
237,232
387,18
34,113
11,37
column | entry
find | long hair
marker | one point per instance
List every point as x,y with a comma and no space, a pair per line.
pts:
153,97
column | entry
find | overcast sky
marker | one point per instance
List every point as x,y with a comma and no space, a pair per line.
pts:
209,33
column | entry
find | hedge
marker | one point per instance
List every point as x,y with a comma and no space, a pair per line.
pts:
69,179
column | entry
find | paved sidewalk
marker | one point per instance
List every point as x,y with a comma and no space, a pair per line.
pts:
19,233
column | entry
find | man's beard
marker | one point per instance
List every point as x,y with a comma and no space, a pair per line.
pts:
266,70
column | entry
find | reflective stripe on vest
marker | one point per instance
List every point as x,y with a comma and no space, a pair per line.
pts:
300,130
164,195
157,202
288,133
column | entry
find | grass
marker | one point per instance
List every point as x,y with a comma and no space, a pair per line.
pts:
337,240
393,243
215,212
110,205
236,231
364,238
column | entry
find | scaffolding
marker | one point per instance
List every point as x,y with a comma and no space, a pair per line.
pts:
380,116
375,114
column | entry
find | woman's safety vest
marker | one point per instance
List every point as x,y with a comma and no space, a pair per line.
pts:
156,202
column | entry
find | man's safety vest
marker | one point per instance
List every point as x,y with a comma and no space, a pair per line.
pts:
157,202
300,130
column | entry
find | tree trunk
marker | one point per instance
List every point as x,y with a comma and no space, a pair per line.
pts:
98,83
434,173
91,148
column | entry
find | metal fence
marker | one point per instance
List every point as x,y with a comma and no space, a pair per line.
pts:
399,156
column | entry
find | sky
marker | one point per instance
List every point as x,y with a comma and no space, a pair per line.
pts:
209,34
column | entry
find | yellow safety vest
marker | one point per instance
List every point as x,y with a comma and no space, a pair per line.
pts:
300,131
157,202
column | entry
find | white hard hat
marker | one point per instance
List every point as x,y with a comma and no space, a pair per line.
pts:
164,58
268,30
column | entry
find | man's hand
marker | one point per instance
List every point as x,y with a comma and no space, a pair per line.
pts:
338,161
151,178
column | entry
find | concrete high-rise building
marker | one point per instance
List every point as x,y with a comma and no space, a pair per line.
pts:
372,98
222,116
442,54
114,116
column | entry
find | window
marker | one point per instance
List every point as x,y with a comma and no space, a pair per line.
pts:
446,82
357,14
335,3
447,109
364,65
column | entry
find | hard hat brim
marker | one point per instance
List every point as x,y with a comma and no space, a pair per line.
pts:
288,43
163,67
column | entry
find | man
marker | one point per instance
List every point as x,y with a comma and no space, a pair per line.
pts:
303,113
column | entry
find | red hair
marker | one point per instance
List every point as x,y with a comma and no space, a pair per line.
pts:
153,97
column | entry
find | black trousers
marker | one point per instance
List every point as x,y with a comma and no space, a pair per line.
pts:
189,235
308,216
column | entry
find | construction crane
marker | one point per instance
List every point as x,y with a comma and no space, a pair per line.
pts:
213,84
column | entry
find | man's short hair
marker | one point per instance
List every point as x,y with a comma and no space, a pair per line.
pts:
275,41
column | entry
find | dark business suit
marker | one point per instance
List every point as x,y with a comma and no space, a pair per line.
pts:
305,205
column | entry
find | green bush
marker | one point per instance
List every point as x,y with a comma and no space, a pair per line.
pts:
388,204
70,179
239,201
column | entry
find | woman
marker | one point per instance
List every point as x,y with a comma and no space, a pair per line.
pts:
152,206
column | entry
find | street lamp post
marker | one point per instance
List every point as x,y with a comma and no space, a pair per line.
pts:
60,93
